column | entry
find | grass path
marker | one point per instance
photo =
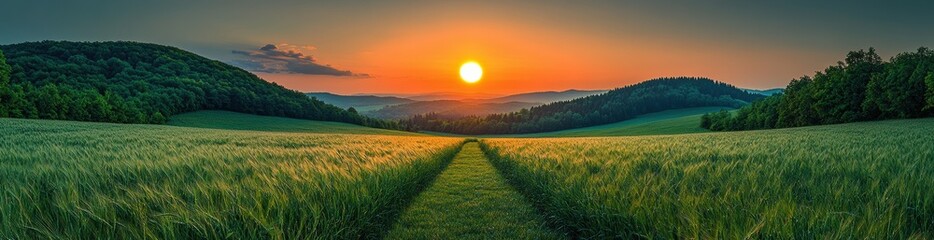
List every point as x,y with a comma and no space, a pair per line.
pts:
471,200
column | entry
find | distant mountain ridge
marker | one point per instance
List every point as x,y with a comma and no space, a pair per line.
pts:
613,106
547,96
765,92
388,106
448,108
347,101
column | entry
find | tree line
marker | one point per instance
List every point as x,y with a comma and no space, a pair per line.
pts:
863,87
614,106
128,82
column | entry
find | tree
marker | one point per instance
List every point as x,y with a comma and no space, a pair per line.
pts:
5,70
157,118
898,91
863,87
929,81
5,92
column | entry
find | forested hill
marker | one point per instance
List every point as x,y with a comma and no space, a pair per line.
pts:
862,87
129,82
614,106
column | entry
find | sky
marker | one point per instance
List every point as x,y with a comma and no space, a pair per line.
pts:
410,47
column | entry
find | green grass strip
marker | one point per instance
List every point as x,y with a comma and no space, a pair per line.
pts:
470,200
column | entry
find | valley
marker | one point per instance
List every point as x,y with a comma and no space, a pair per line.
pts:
466,120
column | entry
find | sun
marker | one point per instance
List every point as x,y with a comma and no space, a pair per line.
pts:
471,72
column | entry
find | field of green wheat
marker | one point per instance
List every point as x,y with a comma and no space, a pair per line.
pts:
872,180
72,180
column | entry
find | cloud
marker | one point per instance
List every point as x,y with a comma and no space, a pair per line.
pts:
286,58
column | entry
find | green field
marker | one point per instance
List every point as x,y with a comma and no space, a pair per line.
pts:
240,121
677,121
75,180
862,180
284,178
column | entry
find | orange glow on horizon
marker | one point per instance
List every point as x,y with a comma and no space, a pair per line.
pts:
524,58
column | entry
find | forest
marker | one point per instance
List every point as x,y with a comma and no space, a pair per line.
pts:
129,82
863,87
614,106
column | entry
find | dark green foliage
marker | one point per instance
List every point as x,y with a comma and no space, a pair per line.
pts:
898,91
127,82
614,106
863,87
5,92
4,70
929,95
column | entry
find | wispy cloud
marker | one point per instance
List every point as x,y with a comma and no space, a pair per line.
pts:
286,58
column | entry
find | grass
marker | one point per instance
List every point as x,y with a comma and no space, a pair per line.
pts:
678,121
470,200
241,121
73,180
868,180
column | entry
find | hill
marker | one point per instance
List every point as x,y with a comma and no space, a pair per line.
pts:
448,96
357,101
451,105
447,108
766,92
862,87
545,97
240,121
678,121
614,106
129,82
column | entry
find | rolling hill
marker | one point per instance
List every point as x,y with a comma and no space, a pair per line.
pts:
545,97
766,92
614,106
130,82
358,101
447,108
434,96
450,105
677,121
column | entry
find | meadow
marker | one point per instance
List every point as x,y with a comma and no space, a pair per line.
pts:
869,180
240,121
73,180
678,121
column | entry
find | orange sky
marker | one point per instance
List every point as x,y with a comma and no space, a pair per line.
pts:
522,58
523,45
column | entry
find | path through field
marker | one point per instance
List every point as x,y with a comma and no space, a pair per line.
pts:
471,200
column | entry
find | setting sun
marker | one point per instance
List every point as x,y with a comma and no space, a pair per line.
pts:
471,72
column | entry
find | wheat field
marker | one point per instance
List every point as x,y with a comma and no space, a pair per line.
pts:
871,180
72,180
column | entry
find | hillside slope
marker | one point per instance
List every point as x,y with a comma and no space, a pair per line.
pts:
614,106
678,121
128,82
